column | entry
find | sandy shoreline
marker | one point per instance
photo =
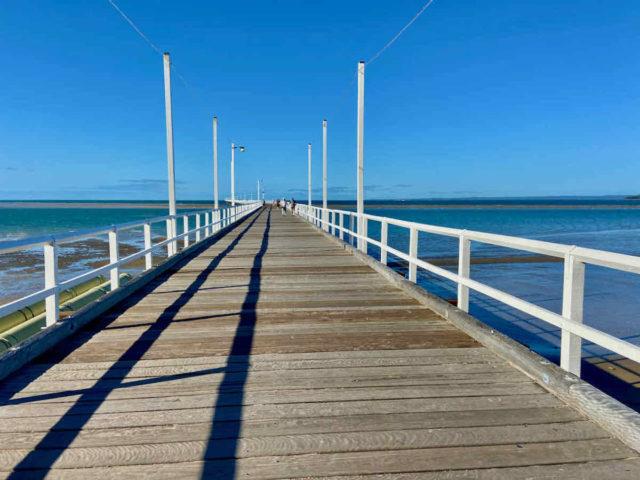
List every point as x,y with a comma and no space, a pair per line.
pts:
158,206
205,205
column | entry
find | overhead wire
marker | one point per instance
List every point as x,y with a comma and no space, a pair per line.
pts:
135,27
377,55
187,85
392,41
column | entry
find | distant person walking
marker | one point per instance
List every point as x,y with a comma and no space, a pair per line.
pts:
284,206
293,206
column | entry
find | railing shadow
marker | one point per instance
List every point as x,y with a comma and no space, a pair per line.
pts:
227,422
544,339
41,459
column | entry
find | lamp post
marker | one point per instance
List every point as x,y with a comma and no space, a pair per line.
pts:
172,247
233,180
309,174
215,163
360,158
325,213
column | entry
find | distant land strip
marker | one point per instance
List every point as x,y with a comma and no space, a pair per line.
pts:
203,205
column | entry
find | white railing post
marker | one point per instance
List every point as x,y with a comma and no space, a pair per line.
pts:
413,255
572,305
169,237
197,227
384,228
148,258
363,224
185,228
50,281
341,226
174,233
464,270
351,228
114,256
207,223
217,217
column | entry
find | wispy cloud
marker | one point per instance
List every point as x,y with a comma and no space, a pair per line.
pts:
138,184
344,190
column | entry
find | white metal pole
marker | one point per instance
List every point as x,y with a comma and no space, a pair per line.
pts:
572,307
324,169
52,307
233,191
258,197
309,174
170,163
215,162
114,256
360,151
324,164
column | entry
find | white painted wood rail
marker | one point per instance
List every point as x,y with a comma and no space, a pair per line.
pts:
214,220
575,258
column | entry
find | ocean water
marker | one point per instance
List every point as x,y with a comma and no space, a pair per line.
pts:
612,303
611,300
22,272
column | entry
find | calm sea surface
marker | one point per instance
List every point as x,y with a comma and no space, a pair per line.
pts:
612,302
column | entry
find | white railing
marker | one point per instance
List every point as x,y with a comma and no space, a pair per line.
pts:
207,223
575,258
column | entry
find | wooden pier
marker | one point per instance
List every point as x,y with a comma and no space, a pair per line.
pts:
275,353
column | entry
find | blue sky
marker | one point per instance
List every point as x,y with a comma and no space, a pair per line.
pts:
477,98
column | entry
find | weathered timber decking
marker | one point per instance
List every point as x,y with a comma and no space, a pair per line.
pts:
276,354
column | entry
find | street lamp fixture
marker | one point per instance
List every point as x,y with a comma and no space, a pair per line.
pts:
233,181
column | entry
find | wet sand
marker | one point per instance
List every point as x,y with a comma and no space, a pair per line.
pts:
23,270
157,206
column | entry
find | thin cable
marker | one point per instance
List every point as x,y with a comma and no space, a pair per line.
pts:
343,96
130,22
375,57
192,91
400,32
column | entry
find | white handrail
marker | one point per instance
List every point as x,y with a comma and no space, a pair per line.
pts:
215,220
570,322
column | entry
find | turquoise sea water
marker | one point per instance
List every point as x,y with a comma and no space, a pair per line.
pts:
612,303
611,297
21,272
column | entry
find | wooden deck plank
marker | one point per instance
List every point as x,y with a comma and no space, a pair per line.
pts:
276,354
391,461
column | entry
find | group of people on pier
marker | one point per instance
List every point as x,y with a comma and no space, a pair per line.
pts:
283,204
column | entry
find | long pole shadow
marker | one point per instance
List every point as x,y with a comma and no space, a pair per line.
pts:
227,422
89,402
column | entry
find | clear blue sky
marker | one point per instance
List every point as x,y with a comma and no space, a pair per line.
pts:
477,98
